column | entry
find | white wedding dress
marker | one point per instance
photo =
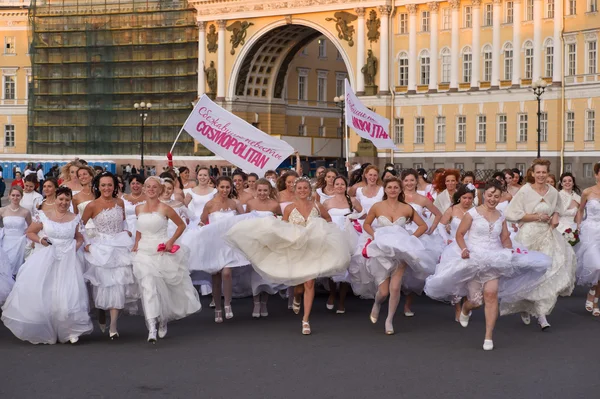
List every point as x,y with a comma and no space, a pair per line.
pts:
49,301
6,280
130,215
588,249
15,241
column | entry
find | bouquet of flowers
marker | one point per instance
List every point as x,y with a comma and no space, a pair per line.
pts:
572,236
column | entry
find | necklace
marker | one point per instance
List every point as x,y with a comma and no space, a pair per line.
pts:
14,210
134,197
50,204
88,194
62,217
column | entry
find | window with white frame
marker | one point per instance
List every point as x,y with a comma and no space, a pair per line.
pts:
302,84
468,16
29,88
467,63
9,135
481,128
529,11
549,59
321,86
440,129
508,61
593,6
509,12
338,56
523,126
446,18
487,63
588,170
403,23
572,10
425,21
568,167
340,88
592,57
425,67
399,131
321,131
322,48
571,59
9,87
502,128
570,126
590,125
488,15
549,8
9,45
302,129
543,127
403,69
419,130
461,129
528,60
446,65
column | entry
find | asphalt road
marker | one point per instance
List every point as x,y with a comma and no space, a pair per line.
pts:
431,356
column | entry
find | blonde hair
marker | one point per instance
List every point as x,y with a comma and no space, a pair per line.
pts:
65,171
272,190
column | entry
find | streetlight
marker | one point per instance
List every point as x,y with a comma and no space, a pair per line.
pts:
539,87
144,108
341,104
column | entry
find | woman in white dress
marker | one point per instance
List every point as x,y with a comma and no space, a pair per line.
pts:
31,198
240,179
251,189
424,187
340,206
132,200
85,176
6,277
324,188
479,260
49,301
15,220
446,185
513,185
197,197
285,187
160,267
108,253
295,253
372,191
588,250
179,207
570,198
184,174
389,251
536,208
68,176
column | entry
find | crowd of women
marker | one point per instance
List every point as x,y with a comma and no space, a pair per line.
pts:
513,245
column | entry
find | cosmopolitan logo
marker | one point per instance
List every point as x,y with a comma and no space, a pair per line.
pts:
374,130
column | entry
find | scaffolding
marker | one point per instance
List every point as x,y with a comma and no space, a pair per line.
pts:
93,59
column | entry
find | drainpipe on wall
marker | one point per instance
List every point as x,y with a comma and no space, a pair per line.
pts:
391,75
562,96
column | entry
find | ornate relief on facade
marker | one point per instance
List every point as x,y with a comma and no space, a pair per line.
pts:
373,24
211,39
238,34
345,30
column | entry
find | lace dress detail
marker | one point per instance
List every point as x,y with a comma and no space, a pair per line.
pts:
297,218
15,241
588,250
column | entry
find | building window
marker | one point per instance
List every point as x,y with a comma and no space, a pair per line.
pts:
461,129
587,170
425,21
550,9
488,18
9,135
446,65
570,128
338,56
593,5
592,57
302,84
508,61
468,17
9,46
340,88
568,167
528,60
509,12
502,129
590,125
302,129
543,127
529,11
322,48
446,19
571,59
549,59
304,51
467,61
487,63
322,86
419,130
403,69
9,87
440,129
522,128
425,64
481,129
399,131
321,131
572,7
403,18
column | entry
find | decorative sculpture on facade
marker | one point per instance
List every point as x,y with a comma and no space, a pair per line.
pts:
342,25
369,71
373,24
211,79
211,39
238,34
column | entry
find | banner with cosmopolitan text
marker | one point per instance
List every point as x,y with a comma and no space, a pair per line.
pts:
234,139
366,123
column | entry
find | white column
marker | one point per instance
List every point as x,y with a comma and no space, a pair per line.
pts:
454,50
496,44
538,6
433,46
516,71
221,60
360,50
201,57
412,48
476,50
384,50
558,50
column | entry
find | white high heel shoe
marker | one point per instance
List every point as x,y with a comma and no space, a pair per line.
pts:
488,345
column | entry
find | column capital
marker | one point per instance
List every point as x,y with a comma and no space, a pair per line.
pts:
385,10
455,4
497,2
201,25
221,24
476,3
360,11
412,9
434,6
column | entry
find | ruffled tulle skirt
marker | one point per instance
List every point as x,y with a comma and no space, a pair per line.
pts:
434,246
110,272
164,282
49,301
6,280
289,254
588,254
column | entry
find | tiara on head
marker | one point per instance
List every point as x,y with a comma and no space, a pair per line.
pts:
301,179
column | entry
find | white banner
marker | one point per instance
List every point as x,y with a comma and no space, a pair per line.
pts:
366,123
234,139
